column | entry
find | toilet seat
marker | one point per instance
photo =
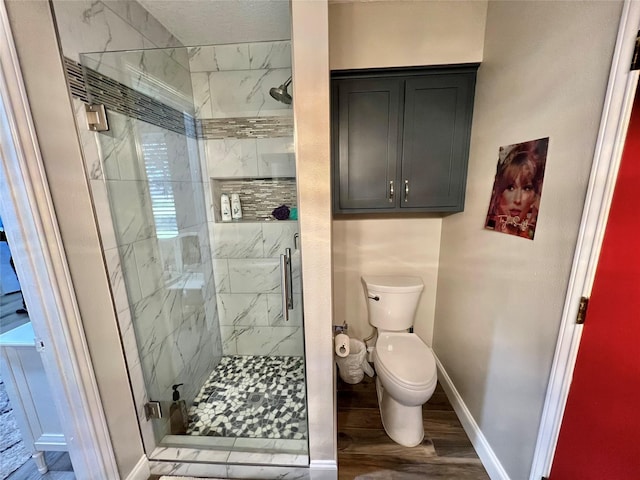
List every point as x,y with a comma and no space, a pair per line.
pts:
406,359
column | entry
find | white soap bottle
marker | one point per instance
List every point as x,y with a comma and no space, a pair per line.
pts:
225,208
236,208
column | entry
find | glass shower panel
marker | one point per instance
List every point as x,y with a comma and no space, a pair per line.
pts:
205,297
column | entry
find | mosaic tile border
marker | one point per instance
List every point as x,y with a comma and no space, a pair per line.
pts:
244,127
252,397
118,97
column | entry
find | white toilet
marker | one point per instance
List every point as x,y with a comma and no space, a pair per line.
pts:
405,365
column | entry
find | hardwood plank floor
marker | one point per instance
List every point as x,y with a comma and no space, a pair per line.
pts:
365,452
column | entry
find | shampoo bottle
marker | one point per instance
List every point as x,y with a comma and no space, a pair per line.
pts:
225,208
178,416
236,208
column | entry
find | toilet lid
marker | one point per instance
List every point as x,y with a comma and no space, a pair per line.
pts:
407,358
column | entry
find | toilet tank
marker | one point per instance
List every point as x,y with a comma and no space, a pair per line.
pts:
397,300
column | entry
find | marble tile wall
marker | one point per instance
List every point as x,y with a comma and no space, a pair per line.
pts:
231,81
234,80
106,26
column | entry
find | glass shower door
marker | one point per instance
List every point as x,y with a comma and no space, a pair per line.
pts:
214,307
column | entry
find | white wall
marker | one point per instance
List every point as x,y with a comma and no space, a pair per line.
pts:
500,297
400,33
383,34
394,246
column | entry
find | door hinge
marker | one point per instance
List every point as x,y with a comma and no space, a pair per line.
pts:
635,61
152,410
582,310
96,117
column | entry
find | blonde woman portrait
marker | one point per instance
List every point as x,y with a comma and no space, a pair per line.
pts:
517,188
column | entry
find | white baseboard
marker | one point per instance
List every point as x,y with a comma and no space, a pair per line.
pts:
141,471
487,456
323,470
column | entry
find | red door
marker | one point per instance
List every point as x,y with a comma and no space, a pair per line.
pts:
600,433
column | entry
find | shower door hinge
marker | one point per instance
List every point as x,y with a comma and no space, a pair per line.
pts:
635,60
96,117
152,410
582,310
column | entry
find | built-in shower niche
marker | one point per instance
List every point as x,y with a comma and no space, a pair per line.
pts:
258,196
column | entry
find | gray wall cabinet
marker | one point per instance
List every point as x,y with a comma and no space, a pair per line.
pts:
400,139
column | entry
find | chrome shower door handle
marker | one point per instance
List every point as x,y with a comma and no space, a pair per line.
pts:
287,253
406,191
286,284
284,287
391,191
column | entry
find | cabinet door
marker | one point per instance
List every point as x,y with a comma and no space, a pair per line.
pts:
437,123
366,113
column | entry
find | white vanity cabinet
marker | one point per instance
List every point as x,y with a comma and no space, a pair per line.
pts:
29,393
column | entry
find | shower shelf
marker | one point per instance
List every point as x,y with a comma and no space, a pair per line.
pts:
258,196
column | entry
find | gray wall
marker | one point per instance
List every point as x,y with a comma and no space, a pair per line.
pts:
500,297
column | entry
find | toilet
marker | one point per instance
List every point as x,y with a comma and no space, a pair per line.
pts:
405,365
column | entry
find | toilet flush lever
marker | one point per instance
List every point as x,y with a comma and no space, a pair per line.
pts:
374,297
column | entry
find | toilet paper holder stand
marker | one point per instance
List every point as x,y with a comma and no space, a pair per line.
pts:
340,328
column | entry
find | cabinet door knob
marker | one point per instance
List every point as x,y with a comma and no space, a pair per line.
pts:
406,191
391,191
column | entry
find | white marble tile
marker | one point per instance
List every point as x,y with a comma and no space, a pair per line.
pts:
229,336
201,59
276,157
269,341
189,204
243,309
245,93
103,213
231,157
278,236
201,94
221,275
108,157
268,472
91,27
130,166
158,370
237,240
131,209
140,19
149,265
193,354
116,280
130,273
207,470
264,55
196,441
254,275
271,445
231,57
267,459
155,317
274,307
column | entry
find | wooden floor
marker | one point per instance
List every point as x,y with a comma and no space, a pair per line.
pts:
366,452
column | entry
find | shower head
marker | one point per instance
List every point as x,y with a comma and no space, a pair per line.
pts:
280,93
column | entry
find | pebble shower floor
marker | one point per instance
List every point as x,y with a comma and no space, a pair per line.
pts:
252,396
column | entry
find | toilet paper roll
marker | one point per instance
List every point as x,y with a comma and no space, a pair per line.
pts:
341,343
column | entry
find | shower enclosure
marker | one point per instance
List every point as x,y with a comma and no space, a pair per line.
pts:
210,312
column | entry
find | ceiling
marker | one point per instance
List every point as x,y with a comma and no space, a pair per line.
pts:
207,22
